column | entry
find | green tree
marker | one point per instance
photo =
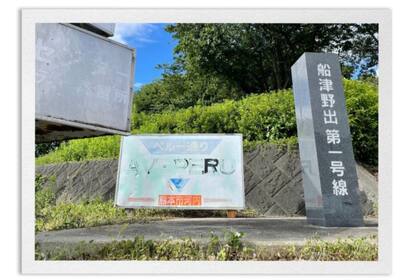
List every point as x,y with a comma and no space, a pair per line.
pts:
214,62
258,56
45,148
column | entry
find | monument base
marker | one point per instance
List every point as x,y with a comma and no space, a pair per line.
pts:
319,218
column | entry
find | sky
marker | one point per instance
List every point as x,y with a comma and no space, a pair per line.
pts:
153,46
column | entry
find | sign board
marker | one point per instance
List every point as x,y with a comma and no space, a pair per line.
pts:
83,83
329,170
195,171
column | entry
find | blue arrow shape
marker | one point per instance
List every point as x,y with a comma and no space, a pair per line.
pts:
179,182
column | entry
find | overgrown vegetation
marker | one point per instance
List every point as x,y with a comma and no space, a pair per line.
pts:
91,213
230,248
53,215
267,117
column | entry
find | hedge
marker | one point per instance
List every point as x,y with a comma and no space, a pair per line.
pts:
267,117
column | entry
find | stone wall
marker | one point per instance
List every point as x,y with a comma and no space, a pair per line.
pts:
273,181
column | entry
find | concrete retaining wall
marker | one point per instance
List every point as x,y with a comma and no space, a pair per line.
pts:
273,181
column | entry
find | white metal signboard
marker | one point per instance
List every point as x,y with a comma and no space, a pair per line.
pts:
203,171
83,83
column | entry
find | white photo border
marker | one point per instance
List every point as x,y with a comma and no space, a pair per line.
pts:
29,17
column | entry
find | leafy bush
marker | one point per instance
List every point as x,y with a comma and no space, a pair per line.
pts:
44,199
83,149
267,117
362,109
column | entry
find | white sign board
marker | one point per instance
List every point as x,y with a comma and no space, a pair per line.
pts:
193,171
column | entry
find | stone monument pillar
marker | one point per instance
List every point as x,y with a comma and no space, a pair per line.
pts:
329,171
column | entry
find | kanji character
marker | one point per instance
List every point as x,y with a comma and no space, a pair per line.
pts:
327,100
324,70
340,187
337,168
330,116
333,136
325,85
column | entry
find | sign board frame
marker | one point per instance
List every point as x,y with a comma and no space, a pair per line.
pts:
240,165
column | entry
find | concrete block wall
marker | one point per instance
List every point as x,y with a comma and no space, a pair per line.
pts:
273,181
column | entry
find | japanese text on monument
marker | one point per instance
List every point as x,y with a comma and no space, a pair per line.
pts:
332,132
